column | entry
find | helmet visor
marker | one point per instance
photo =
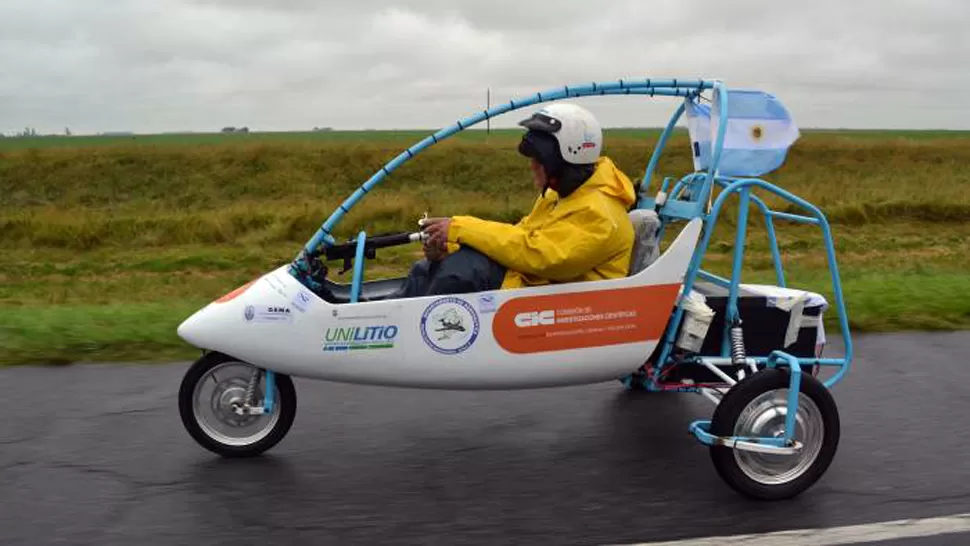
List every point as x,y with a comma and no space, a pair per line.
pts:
541,122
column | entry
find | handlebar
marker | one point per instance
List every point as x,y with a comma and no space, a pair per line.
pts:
348,250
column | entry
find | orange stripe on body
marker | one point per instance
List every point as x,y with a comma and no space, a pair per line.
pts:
579,320
235,293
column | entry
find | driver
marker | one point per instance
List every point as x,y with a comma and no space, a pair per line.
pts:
578,229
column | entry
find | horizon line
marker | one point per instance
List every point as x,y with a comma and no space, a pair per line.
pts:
117,133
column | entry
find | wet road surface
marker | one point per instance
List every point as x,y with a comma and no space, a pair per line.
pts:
96,454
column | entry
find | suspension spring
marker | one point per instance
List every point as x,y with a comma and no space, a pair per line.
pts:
251,388
737,345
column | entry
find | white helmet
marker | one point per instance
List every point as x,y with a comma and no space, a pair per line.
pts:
579,135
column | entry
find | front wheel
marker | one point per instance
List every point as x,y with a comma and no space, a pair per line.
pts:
210,397
757,407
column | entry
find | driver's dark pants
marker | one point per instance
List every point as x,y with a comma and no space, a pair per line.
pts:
461,272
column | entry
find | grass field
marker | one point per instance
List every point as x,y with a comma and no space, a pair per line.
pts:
107,243
401,137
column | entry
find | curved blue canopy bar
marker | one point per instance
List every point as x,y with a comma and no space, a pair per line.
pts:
651,87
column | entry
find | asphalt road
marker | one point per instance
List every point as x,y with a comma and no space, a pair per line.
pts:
96,454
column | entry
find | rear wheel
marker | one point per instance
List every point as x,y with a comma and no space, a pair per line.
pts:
757,407
211,398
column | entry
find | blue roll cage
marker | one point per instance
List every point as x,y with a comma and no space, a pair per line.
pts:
688,199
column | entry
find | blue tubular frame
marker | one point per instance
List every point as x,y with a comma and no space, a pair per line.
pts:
794,386
743,186
739,240
675,208
270,396
700,429
696,203
358,268
655,158
775,252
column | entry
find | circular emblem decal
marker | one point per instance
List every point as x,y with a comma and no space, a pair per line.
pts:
449,326
250,313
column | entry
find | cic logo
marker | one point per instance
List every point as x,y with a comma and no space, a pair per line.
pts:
535,318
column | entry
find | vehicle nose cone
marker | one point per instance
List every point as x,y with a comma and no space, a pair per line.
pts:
191,328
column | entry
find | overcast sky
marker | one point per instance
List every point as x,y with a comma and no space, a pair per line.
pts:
169,65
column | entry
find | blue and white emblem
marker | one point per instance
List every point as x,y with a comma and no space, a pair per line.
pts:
449,326
302,301
250,313
487,303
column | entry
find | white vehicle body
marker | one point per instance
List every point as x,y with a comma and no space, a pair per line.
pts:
533,337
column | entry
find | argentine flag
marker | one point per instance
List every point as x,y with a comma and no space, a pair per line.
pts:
699,129
759,132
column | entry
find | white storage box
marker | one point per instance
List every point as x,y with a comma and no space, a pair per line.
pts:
696,322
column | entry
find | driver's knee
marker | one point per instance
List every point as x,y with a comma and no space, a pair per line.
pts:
418,280
466,270
420,268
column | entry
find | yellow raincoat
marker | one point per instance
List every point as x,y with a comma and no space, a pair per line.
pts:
586,236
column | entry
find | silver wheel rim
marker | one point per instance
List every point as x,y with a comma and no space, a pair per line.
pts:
765,417
213,400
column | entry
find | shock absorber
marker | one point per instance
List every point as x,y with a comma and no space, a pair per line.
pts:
248,401
738,358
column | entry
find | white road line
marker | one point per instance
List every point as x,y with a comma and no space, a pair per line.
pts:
852,534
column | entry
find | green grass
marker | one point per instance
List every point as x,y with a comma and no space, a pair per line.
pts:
106,245
402,137
68,333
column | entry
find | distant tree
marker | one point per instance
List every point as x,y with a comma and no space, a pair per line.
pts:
67,131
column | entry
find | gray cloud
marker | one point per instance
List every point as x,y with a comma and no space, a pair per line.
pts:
292,64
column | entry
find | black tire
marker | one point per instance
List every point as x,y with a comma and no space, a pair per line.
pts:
285,404
730,410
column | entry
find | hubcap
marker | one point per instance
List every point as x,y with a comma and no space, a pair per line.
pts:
218,403
765,417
